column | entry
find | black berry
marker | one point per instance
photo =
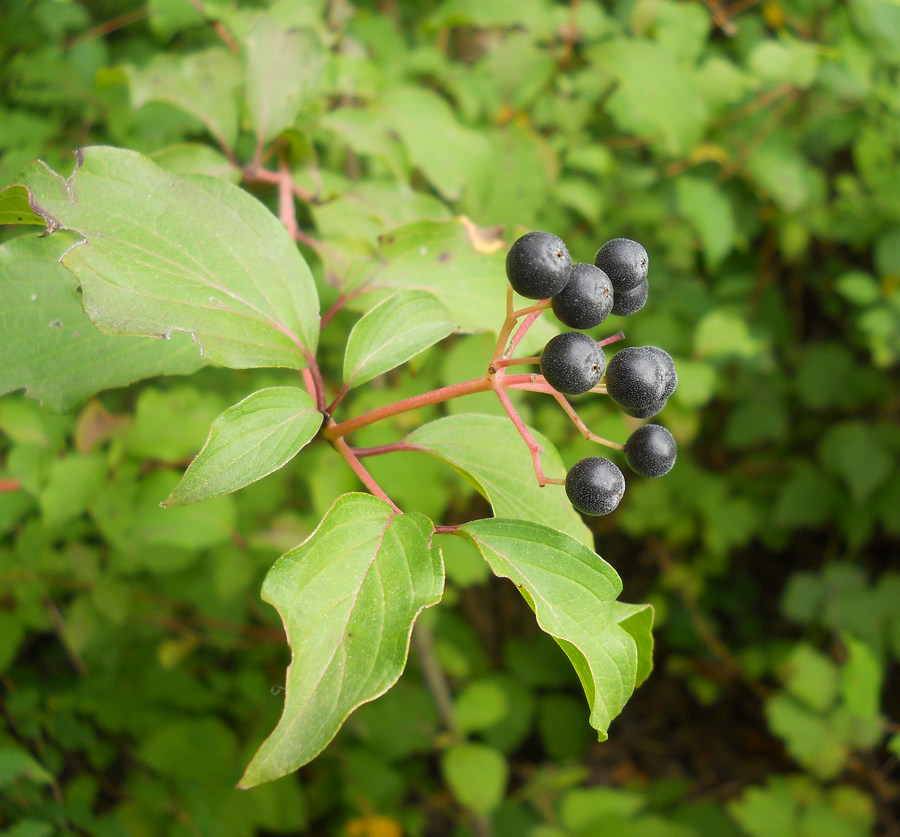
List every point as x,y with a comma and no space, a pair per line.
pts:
595,485
538,265
669,367
635,378
572,363
587,298
650,451
624,261
630,301
649,411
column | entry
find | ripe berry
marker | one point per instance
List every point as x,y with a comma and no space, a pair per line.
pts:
624,261
630,301
595,485
649,411
538,265
572,362
635,378
587,298
650,451
669,367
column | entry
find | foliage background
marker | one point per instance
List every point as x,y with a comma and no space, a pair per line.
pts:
753,149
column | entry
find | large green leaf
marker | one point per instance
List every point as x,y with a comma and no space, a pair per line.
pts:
462,265
249,441
51,348
490,452
572,591
203,84
283,68
395,330
348,596
165,253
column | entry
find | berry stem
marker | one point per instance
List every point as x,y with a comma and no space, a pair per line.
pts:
619,335
377,450
9,485
435,396
525,433
579,423
522,330
356,466
514,361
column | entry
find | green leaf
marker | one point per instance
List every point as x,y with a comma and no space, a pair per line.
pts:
477,775
490,452
480,705
19,764
637,619
283,69
861,681
249,441
448,154
572,591
655,96
348,596
455,260
394,331
16,208
856,454
708,209
203,84
164,253
51,348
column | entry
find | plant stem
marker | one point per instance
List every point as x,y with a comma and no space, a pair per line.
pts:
356,466
525,433
514,361
377,450
435,396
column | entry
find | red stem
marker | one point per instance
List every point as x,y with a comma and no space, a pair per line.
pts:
435,396
356,466
9,485
529,440
377,450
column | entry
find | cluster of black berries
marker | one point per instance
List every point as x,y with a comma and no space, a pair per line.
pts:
639,379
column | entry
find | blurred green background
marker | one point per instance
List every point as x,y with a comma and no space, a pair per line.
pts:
754,149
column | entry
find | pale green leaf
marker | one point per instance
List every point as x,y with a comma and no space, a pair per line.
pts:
394,331
464,266
572,591
447,153
283,70
476,774
50,347
348,596
708,209
16,208
249,441
655,97
165,253
491,453
16,763
203,84
637,619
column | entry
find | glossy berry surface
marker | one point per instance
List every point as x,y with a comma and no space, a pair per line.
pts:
587,298
650,451
624,261
669,367
635,378
572,362
595,485
538,265
631,301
